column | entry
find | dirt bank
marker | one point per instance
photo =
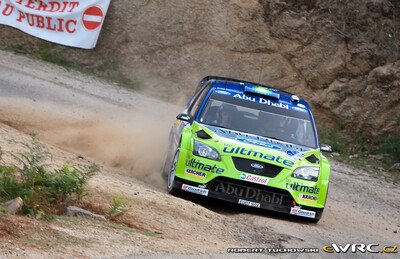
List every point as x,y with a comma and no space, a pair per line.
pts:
124,131
341,55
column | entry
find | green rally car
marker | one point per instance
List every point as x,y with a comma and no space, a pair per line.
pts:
249,144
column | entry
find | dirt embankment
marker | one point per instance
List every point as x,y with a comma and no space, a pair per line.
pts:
124,131
341,55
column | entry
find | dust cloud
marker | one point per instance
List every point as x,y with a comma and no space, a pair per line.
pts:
133,141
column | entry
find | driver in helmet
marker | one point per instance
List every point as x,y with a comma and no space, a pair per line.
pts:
225,115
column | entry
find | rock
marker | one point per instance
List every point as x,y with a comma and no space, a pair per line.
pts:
79,212
377,157
353,156
13,206
335,154
395,167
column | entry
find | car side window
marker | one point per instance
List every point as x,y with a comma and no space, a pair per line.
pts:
197,103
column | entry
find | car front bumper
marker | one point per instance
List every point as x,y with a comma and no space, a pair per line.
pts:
239,192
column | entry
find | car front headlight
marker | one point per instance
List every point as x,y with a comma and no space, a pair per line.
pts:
309,173
203,150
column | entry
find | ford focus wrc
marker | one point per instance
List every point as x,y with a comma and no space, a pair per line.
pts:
249,144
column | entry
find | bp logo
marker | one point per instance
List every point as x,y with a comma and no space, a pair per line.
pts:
242,176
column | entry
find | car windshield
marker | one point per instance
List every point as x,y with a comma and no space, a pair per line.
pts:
259,119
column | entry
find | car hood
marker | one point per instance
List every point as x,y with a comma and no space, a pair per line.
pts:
292,152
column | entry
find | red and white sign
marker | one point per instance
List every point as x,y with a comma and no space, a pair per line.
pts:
92,18
75,23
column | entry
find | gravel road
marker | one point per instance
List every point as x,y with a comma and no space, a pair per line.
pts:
127,131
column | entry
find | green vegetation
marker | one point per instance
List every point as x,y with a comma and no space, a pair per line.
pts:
118,206
398,119
391,146
54,57
42,191
359,151
2,210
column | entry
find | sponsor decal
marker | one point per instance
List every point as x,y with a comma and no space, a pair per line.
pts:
249,203
250,152
232,134
354,248
254,178
303,213
258,143
195,190
302,188
262,101
291,152
196,164
307,197
298,109
194,173
274,250
249,193
223,92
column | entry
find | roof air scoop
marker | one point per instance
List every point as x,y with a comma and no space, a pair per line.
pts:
295,98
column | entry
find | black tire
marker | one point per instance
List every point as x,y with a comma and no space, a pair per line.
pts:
171,177
166,166
314,221
167,163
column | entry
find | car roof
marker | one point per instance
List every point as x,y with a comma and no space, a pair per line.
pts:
236,85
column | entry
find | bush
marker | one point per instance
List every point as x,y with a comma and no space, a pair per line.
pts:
42,191
118,206
391,146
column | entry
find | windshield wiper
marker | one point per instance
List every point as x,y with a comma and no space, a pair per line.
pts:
276,138
217,126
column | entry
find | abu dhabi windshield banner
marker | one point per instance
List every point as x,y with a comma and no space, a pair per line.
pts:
75,23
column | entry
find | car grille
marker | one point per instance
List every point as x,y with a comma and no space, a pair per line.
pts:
245,165
251,191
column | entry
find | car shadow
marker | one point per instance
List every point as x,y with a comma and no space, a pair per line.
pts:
231,209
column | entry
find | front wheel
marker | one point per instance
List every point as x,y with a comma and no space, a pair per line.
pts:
314,220
171,177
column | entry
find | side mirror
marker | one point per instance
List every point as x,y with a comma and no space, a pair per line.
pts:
326,148
184,117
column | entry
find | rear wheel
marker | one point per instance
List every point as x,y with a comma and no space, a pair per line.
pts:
171,177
